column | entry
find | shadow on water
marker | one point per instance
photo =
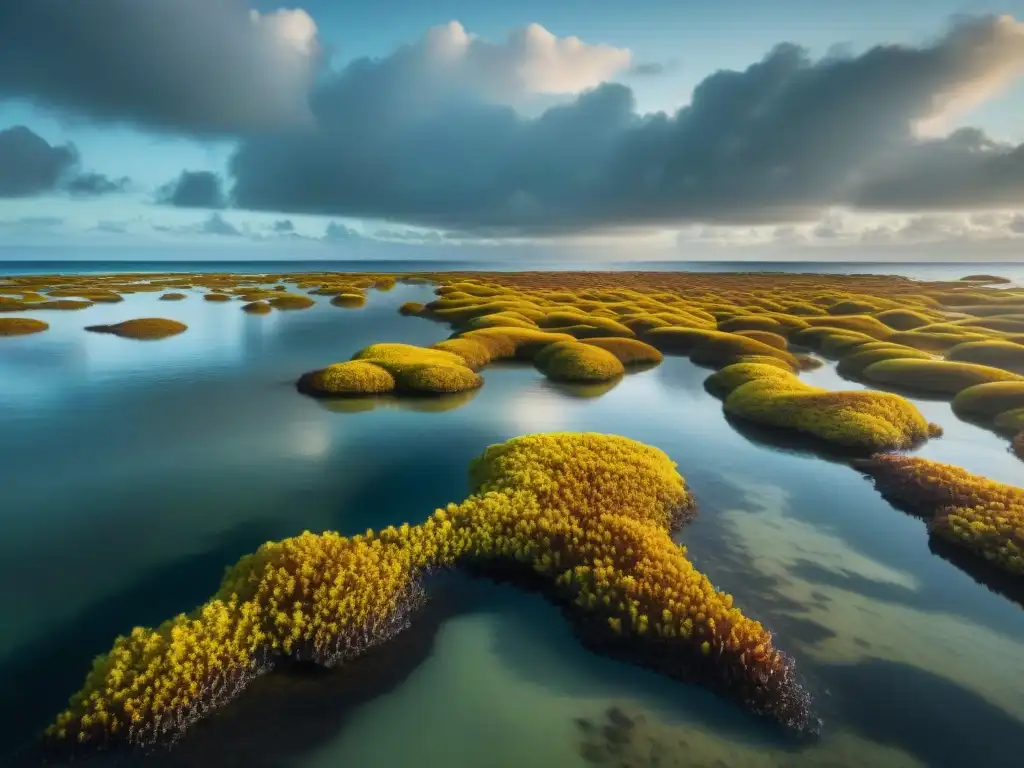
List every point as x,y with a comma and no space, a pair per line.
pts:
39,677
791,442
983,735
994,579
427,404
926,597
983,572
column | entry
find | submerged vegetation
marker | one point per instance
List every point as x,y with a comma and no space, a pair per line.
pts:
586,518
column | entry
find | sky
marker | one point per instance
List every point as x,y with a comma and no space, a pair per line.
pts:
733,129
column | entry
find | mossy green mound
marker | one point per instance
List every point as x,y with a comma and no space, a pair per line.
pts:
257,308
725,380
938,343
628,351
726,348
866,324
474,354
514,343
766,337
397,355
21,326
411,308
573,361
933,376
987,401
220,297
292,302
172,297
681,341
859,358
437,379
903,319
145,328
356,377
349,300
862,421
421,370
500,320
751,323
996,354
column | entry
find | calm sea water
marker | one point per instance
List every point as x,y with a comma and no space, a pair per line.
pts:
917,270
132,473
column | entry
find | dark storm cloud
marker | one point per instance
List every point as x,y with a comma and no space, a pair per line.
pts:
204,66
283,226
964,170
778,141
193,189
30,165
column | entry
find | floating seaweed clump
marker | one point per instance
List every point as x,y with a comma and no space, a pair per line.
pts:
145,328
589,516
860,421
968,510
172,297
21,326
216,297
257,308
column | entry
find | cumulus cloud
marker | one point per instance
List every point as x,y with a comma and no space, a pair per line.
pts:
780,141
194,189
206,66
30,165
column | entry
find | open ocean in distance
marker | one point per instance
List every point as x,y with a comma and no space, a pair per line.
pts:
917,270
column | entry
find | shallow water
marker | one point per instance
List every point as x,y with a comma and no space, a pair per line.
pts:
133,472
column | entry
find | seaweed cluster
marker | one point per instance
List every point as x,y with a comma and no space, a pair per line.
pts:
970,511
586,518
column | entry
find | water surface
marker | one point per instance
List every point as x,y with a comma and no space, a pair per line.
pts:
134,472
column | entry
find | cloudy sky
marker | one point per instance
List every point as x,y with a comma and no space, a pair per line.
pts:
643,129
